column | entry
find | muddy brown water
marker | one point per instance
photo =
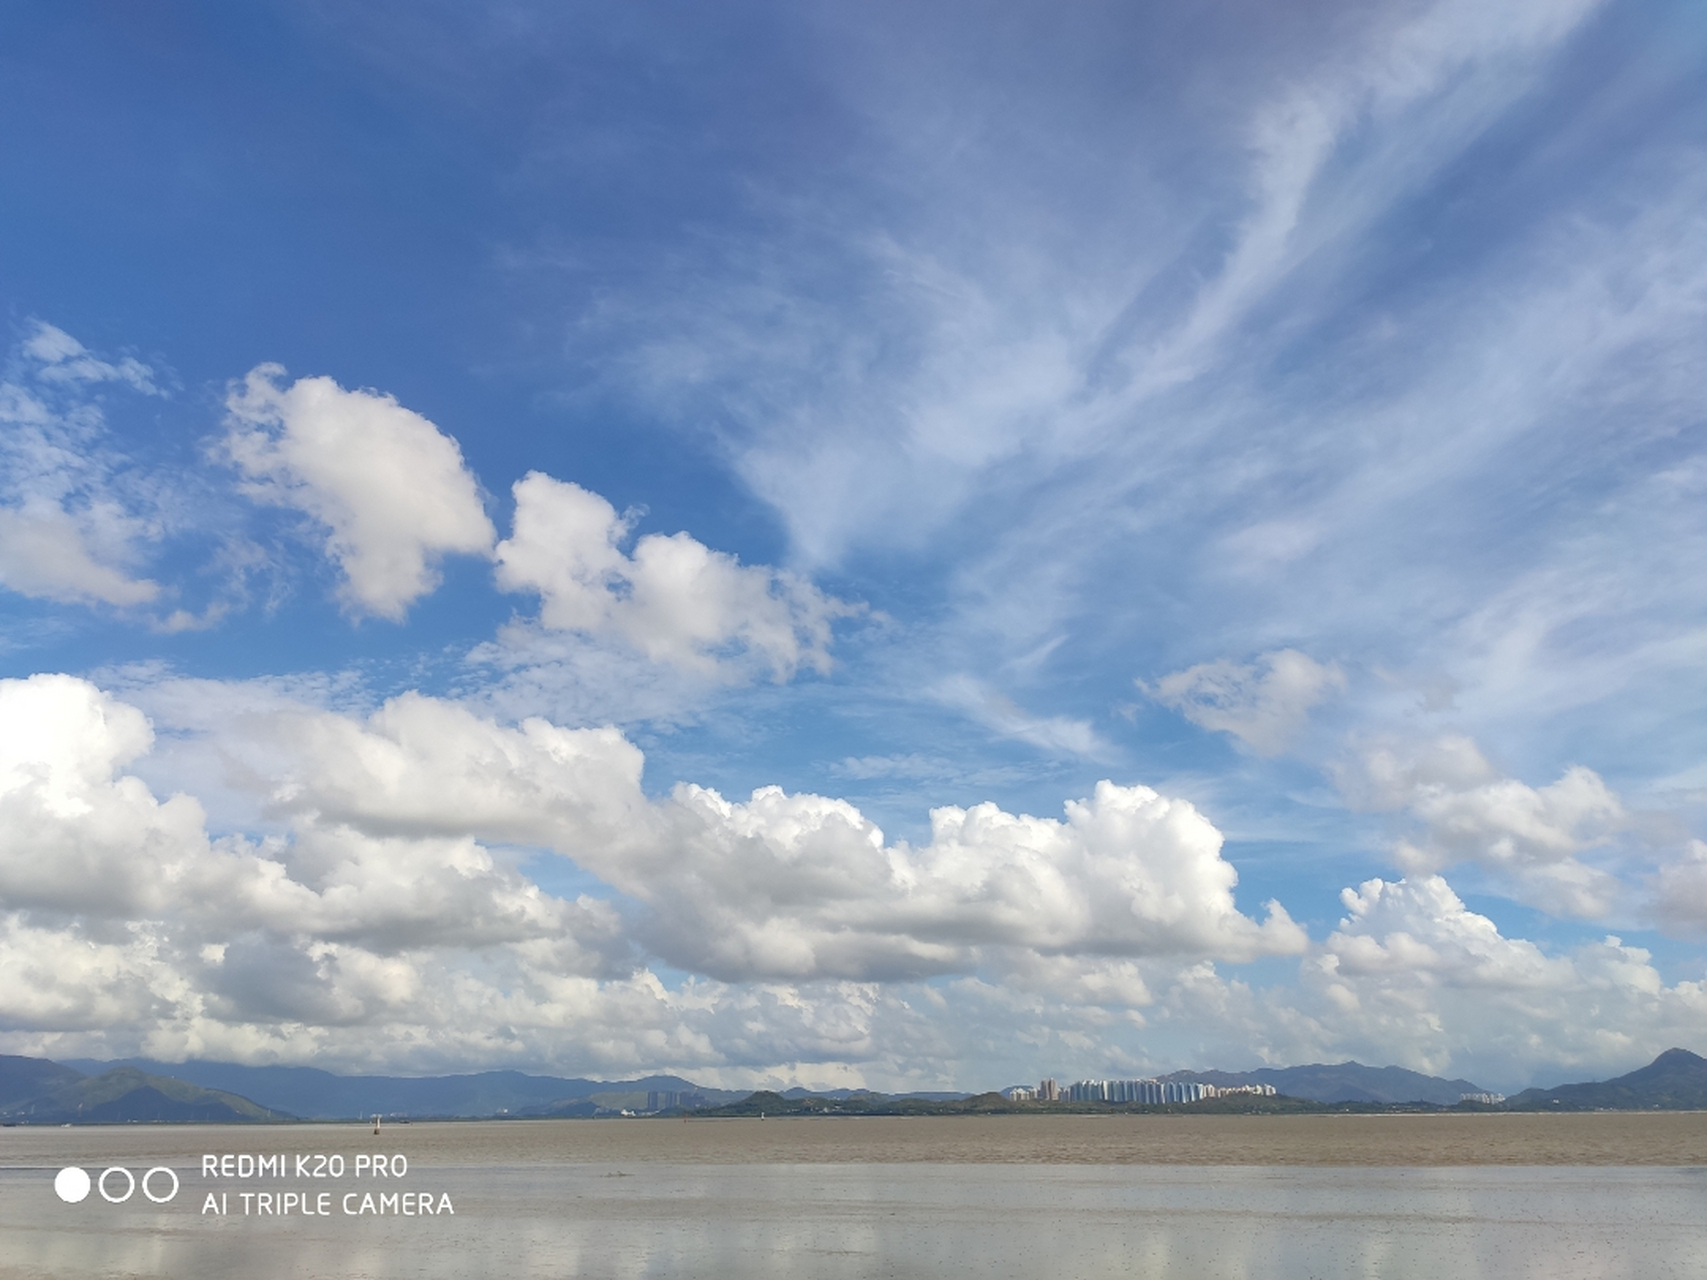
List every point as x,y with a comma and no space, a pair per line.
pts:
1595,1139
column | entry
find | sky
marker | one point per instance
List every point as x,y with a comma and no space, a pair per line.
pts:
904,546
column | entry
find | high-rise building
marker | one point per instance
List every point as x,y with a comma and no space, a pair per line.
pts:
668,1099
1147,1092
1186,1091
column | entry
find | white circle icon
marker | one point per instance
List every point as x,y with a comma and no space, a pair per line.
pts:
71,1184
149,1177
129,1185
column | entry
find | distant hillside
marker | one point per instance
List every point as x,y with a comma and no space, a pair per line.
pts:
25,1079
313,1094
1344,1082
842,1095
858,1103
124,1095
1674,1081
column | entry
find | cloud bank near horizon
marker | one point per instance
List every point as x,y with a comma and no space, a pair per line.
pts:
387,912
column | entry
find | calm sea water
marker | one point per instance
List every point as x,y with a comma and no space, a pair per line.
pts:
568,1205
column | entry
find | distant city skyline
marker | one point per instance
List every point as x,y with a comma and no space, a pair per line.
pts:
855,547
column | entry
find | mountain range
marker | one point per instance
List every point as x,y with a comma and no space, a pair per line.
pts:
309,1093
1343,1082
38,1091
1674,1081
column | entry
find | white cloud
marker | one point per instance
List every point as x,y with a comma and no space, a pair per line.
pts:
63,359
379,923
57,979
390,487
1039,329
124,928
69,528
45,553
1680,891
1390,775
1462,58
786,886
382,926
801,886
673,598
527,669
1412,975
73,836
996,711
425,766
1264,709
1529,836
1420,933
79,837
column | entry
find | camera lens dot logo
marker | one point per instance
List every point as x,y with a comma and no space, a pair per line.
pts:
71,1184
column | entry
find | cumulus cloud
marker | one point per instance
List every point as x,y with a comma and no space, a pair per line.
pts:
390,488
79,836
380,909
380,921
1421,933
66,990
1680,891
81,840
423,766
1414,975
55,979
786,885
1264,704
1466,812
801,885
672,597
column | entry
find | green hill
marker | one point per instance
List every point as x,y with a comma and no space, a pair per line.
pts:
1344,1082
314,1094
25,1079
1674,1081
123,1096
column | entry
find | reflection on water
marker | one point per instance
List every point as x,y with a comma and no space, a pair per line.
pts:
657,1218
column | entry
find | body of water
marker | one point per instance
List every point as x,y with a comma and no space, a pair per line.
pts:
1056,1197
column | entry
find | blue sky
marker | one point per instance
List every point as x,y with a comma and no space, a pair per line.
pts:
455,459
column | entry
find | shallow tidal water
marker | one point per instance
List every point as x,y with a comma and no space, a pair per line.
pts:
1058,1197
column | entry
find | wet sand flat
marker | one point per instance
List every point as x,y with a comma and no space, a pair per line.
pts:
949,1198
1388,1141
